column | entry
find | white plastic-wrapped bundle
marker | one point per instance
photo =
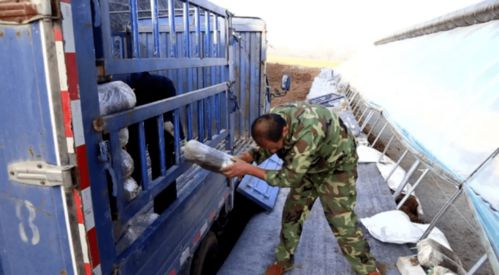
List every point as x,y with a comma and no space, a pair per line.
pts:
114,97
343,86
132,189
126,164
206,156
136,227
123,136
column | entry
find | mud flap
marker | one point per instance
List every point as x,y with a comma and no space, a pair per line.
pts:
258,190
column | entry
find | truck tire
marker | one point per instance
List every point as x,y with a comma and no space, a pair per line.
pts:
205,260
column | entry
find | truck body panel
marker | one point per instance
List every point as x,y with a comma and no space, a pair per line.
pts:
34,218
57,62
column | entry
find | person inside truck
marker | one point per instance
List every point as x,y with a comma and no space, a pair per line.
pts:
319,161
150,88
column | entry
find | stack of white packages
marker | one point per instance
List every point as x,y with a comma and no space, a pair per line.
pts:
114,97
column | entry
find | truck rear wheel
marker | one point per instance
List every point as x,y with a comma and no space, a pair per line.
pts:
205,260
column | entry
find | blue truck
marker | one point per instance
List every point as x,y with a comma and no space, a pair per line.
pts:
64,208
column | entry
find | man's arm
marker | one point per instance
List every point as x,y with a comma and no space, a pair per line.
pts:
296,164
241,168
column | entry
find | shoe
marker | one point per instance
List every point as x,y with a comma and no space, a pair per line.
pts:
274,269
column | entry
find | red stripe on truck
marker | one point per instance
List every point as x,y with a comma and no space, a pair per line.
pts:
66,112
72,72
78,206
94,249
57,33
82,162
197,237
88,269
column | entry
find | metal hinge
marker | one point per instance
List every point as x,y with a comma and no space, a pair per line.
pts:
40,173
26,11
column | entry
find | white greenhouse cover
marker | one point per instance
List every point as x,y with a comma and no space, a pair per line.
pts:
442,92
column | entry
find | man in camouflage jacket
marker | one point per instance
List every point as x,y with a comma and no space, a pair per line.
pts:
320,160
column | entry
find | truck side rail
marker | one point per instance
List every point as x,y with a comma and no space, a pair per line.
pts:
173,45
111,124
187,42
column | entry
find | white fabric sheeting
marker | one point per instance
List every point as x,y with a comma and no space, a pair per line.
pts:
441,91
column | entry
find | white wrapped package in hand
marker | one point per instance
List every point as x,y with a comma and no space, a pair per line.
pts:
206,156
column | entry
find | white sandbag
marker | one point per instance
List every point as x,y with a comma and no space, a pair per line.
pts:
206,156
396,178
385,166
127,164
435,234
132,189
368,155
394,226
350,122
343,86
114,97
361,140
432,254
123,136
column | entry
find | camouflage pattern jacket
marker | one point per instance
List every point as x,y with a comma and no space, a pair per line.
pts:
316,143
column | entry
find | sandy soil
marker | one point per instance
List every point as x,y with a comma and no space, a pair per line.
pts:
301,80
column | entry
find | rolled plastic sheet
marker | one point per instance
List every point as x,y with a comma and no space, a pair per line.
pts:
132,189
127,164
206,156
123,135
114,97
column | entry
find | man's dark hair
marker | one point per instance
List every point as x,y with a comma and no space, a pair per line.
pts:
268,126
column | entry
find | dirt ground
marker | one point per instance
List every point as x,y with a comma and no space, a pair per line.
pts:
301,80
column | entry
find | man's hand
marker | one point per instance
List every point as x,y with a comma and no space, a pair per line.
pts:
245,156
241,168
238,169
